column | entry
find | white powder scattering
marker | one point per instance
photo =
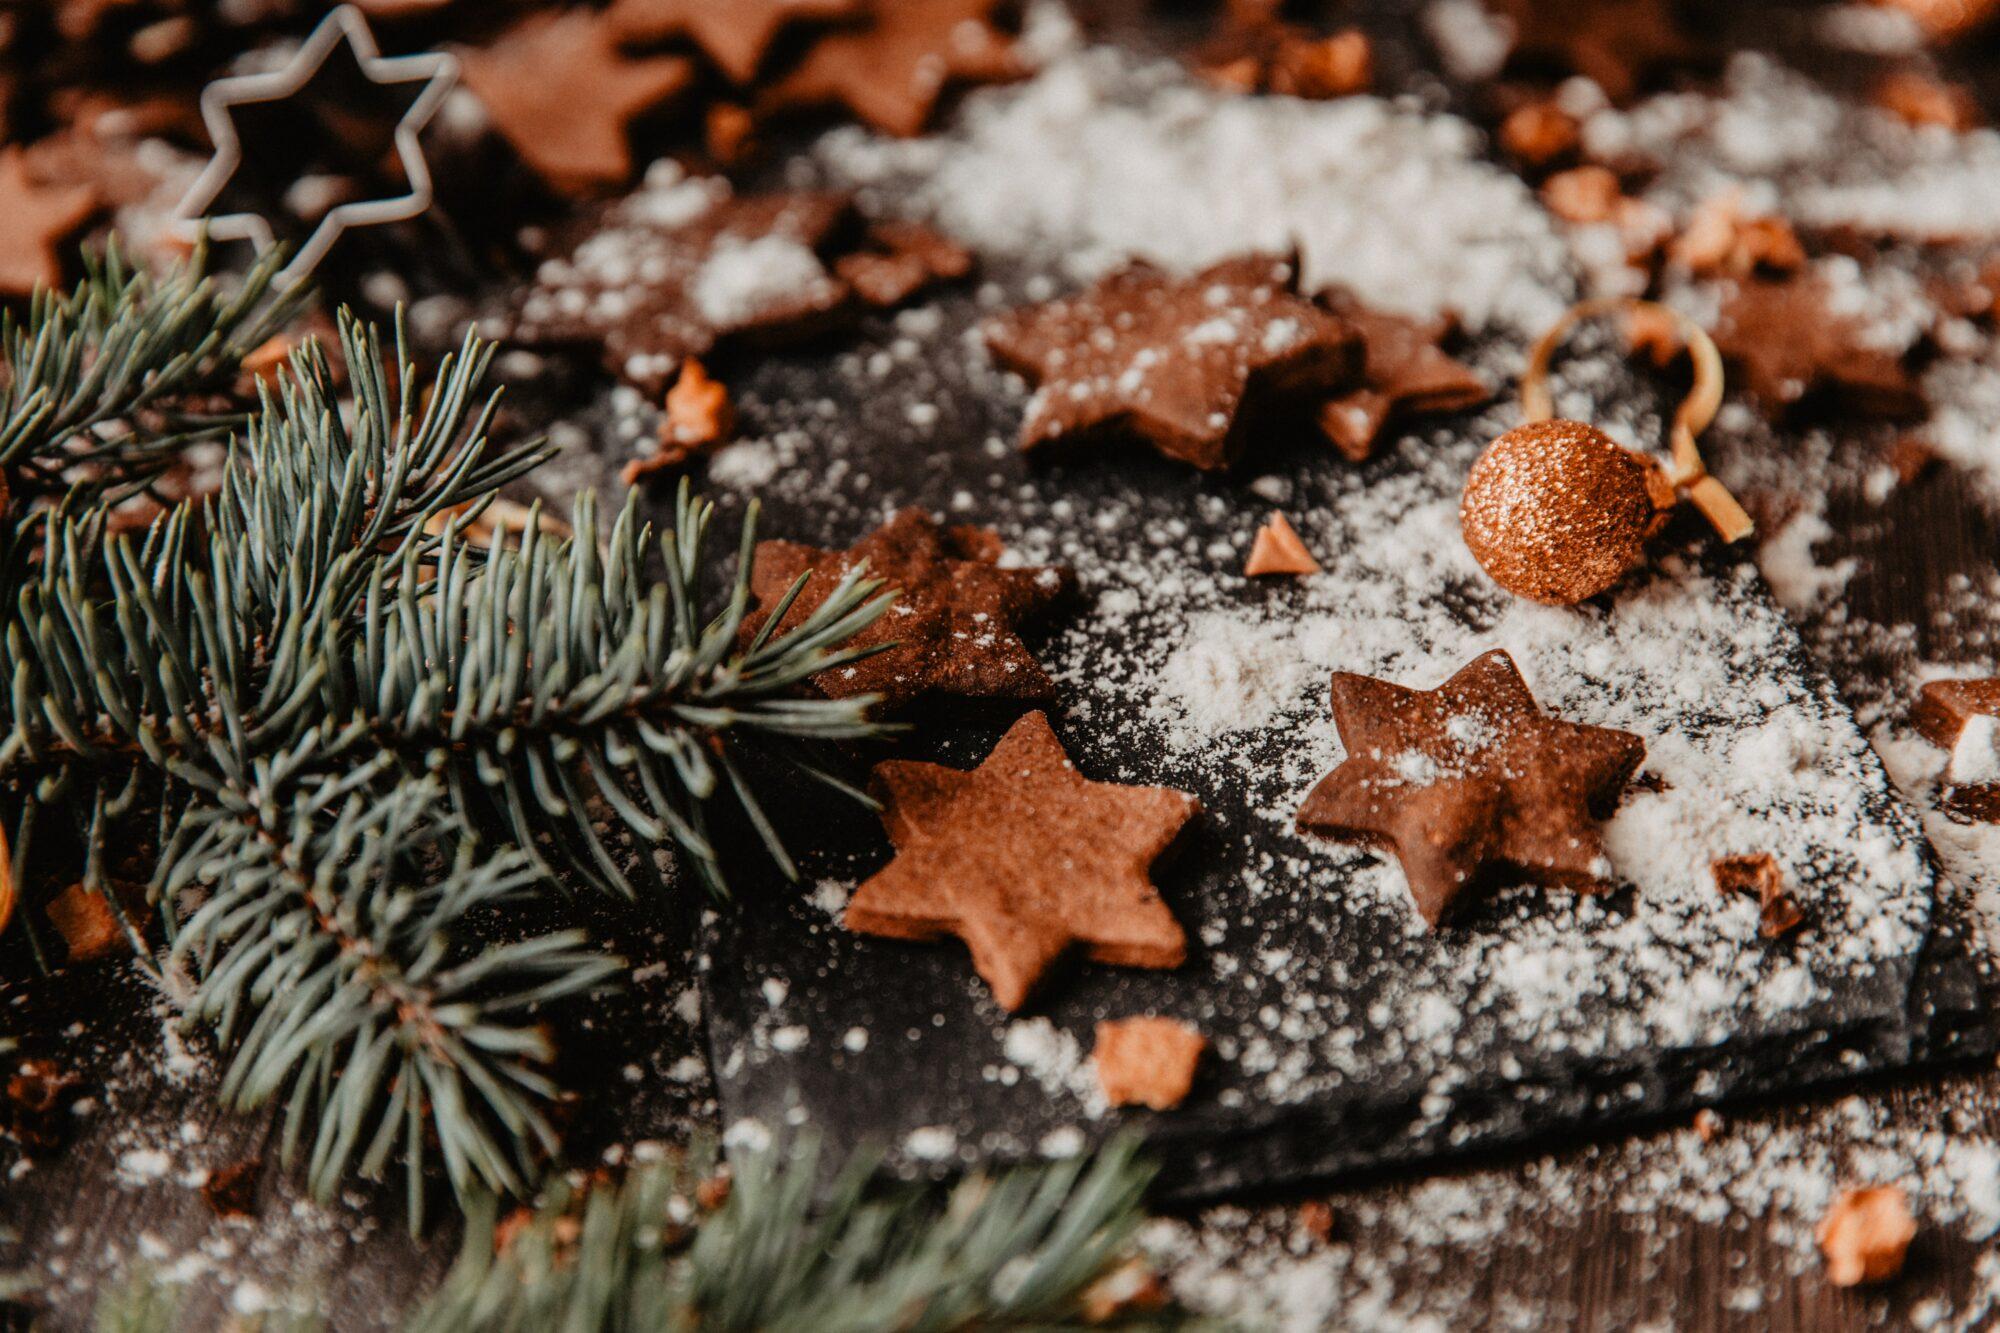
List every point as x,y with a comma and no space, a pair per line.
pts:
143,1166
1449,1252
1219,680
744,278
931,1143
1800,149
1102,156
1786,559
1976,756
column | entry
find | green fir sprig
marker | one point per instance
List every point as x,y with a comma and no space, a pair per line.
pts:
786,1253
339,735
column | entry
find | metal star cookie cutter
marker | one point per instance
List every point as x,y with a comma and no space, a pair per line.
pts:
437,69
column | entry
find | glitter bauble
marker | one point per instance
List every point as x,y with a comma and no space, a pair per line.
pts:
1556,512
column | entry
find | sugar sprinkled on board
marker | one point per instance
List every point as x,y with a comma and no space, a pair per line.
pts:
1103,156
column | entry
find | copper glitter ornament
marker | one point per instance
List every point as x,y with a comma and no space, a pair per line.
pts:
1557,512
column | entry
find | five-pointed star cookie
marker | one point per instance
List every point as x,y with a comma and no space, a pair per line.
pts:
892,71
35,219
1404,374
956,624
1613,43
736,34
1785,339
684,264
1185,363
558,88
1023,858
1469,779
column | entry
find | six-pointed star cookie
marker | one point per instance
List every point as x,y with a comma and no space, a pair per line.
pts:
1469,779
1785,339
1023,858
892,72
1404,374
736,34
955,626
683,265
557,87
34,219
1185,363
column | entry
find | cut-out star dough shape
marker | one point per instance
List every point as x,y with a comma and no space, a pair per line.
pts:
1470,780
892,72
1613,43
1404,374
956,623
561,91
1024,859
35,218
1187,364
736,34
1784,339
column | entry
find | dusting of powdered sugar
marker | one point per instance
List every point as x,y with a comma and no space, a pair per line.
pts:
1103,156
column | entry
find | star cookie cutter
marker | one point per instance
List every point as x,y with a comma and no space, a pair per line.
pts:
439,72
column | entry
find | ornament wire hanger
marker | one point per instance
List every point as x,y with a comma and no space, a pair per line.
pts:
437,70
1689,474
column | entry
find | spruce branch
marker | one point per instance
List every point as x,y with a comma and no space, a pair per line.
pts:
356,735
329,967
81,367
1018,1249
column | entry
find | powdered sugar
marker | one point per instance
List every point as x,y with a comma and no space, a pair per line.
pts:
1102,156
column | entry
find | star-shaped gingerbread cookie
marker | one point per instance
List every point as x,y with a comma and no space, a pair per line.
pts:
1404,374
892,72
34,219
1188,364
1023,859
956,624
1470,780
736,34
560,90
684,265
1785,338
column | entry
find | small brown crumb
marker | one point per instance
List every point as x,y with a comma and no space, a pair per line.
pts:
1654,333
1147,1061
161,41
698,415
1278,549
1947,20
37,1094
727,130
1865,1235
263,362
713,1192
1911,457
87,922
1707,1125
1583,194
1539,134
232,1190
1131,1288
899,260
1721,240
1316,1220
1758,873
1326,67
1921,100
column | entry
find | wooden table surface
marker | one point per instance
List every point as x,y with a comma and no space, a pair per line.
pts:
114,1198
